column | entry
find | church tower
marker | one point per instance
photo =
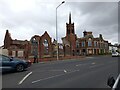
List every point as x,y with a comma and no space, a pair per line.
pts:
69,27
71,36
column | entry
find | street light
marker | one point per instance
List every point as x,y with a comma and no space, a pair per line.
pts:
56,28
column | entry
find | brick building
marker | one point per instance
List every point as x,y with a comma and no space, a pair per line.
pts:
42,46
38,46
86,45
54,49
69,41
16,48
90,45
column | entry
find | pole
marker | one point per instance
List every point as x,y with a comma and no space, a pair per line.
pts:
56,35
57,31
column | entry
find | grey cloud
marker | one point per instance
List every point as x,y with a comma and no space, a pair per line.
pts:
100,18
92,16
99,13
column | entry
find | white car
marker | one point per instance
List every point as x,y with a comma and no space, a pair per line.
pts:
115,54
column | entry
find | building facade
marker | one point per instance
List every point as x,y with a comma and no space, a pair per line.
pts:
42,46
16,48
69,41
90,45
86,45
38,46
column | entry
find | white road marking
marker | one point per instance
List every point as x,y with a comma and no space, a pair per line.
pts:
82,64
89,57
96,65
47,78
25,78
93,63
78,64
53,76
65,71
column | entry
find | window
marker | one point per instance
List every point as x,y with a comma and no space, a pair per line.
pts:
106,45
77,44
83,43
95,43
45,43
89,43
34,46
78,52
60,47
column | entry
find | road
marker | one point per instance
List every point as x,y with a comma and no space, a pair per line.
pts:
88,72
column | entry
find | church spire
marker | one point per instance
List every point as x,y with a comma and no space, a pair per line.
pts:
70,18
70,26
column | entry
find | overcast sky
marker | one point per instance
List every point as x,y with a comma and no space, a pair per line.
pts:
25,18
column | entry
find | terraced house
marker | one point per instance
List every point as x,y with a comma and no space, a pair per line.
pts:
90,45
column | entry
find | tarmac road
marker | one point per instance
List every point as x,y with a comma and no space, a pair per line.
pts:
88,72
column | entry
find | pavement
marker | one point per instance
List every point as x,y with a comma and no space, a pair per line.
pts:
88,72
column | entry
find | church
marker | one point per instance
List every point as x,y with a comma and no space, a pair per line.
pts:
86,45
37,46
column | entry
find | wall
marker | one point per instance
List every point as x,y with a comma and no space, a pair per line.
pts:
4,51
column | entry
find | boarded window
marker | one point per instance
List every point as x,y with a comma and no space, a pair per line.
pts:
20,53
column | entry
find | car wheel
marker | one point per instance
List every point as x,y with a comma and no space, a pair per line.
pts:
19,68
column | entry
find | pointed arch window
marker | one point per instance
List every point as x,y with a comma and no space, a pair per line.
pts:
46,47
34,46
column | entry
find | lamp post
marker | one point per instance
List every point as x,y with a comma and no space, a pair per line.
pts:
56,28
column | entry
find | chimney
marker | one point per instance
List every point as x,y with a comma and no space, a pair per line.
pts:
100,36
84,33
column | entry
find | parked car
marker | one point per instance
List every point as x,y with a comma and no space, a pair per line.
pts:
114,84
115,54
11,63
